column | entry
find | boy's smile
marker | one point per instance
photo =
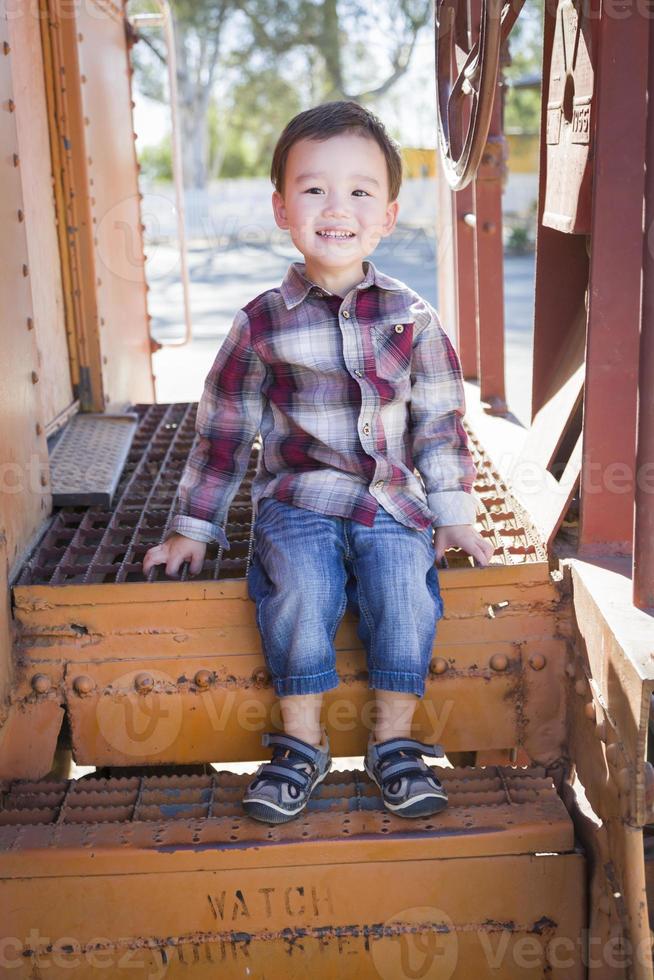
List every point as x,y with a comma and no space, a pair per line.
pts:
335,205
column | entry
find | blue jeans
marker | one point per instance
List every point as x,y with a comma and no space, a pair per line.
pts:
307,567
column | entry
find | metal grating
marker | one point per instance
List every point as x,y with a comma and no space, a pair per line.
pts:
102,545
346,802
88,459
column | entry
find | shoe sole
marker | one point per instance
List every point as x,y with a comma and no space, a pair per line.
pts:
423,806
267,812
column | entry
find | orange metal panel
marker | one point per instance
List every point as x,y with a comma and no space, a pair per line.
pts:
115,203
55,388
365,920
94,122
23,452
343,890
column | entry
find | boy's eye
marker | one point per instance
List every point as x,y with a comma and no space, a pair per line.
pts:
360,191
311,190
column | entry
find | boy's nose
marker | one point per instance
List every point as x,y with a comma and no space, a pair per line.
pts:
335,206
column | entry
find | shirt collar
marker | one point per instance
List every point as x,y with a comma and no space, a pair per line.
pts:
296,284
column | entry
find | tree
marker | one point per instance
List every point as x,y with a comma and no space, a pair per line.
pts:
331,28
262,47
199,27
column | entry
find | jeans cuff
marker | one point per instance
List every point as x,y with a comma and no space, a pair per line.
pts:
305,684
391,680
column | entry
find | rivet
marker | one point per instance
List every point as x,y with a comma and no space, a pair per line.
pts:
82,79
39,428
35,377
203,678
438,665
537,662
570,670
261,677
499,661
83,684
30,323
21,216
11,105
15,159
25,270
41,683
581,686
5,47
589,710
612,753
143,683
44,480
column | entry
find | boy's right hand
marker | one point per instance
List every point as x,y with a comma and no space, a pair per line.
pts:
173,553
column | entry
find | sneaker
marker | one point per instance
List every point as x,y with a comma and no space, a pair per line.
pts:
409,787
281,788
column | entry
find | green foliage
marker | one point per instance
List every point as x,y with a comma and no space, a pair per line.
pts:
244,130
156,161
522,105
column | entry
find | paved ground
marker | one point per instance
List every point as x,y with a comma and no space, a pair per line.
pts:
224,277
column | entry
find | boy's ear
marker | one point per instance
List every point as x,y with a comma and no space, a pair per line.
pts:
279,210
390,220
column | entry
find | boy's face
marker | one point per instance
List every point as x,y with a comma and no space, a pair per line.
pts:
335,202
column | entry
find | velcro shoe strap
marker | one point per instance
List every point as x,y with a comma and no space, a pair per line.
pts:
286,774
402,768
303,749
412,745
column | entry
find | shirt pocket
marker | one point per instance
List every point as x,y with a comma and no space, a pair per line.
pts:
393,344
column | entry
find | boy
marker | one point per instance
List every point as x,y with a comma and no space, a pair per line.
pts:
352,383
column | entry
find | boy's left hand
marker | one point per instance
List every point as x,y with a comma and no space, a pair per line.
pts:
462,536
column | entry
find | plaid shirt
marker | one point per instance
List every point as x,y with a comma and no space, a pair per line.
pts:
351,395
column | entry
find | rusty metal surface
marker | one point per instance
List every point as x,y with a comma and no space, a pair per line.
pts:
96,546
39,215
519,805
88,459
23,451
330,893
570,118
608,476
610,683
643,553
98,199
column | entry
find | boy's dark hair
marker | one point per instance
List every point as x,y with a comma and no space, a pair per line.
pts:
329,119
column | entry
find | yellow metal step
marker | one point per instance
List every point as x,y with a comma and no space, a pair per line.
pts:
165,872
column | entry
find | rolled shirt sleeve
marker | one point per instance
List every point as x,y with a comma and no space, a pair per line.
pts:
228,419
439,440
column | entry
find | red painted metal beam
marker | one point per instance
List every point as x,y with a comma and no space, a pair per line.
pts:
643,560
607,477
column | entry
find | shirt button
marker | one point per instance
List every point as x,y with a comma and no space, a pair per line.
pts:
358,373
399,328
345,315
379,484
366,429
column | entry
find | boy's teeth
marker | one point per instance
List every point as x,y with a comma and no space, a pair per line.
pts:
336,234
